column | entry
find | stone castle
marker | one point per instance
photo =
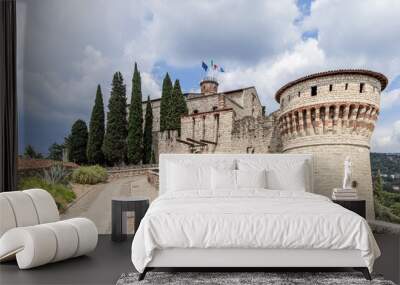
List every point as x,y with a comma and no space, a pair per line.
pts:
329,114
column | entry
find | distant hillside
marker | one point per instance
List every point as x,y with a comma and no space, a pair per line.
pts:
388,163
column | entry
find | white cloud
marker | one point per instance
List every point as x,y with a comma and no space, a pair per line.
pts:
390,99
182,33
269,75
150,86
358,33
387,139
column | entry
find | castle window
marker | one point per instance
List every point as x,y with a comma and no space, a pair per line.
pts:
362,85
313,90
214,108
195,111
346,86
250,149
298,94
330,87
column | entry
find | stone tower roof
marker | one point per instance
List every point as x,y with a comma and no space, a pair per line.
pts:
379,76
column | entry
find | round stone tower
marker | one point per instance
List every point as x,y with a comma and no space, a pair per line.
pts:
209,85
332,115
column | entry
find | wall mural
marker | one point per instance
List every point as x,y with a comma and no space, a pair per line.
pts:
85,151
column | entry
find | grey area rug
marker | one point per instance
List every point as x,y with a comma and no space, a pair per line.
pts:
225,278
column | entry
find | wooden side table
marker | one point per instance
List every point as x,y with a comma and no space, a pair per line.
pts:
357,206
121,205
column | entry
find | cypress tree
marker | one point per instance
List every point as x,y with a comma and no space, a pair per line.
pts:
165,105
114,145
378,188
30,153
55,151
135,122
148,133
78,142
179,106
96,130
153,157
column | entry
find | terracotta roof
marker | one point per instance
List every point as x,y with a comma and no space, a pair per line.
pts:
382,78
26,164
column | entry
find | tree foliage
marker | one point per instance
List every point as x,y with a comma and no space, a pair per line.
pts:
165,105
378,187
179,106
78,142
30,153
114,145
56,151
387,204
148,133
135,122
153,157
96,130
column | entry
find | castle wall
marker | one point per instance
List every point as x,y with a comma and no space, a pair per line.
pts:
202,103
254,135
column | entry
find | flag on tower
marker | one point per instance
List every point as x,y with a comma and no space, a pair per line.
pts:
204,66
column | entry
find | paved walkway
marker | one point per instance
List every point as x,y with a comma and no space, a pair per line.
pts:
96,203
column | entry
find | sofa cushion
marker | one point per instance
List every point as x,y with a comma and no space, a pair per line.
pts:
23,208
45,205
7,220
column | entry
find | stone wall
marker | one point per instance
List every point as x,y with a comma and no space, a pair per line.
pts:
254,135
128,171
153,178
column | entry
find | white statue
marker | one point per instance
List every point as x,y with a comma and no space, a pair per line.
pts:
347,173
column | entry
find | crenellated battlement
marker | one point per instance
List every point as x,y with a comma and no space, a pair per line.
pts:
343,119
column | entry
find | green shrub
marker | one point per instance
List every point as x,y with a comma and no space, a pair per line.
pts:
385,214
89,175
57,174
62,194
395,209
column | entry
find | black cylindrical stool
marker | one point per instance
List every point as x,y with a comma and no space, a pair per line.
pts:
120,205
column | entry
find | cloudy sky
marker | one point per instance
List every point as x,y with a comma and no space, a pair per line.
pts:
66,48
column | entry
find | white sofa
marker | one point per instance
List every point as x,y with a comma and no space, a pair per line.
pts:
31,231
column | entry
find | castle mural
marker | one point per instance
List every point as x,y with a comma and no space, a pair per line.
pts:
330,114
